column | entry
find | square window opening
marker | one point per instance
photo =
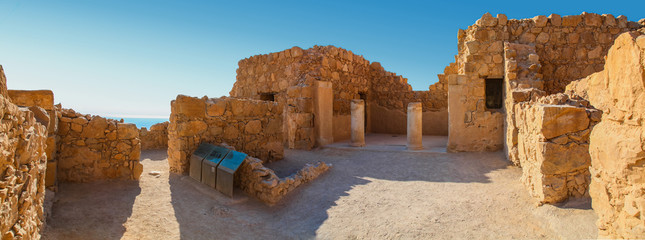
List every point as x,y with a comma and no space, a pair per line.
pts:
267,97
494,93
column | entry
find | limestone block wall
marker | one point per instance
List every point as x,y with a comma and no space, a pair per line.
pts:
257,180
41,102
22,170
568,47
155,138
616,146
95,148
553,144
472,128
289,74
251,126
522,83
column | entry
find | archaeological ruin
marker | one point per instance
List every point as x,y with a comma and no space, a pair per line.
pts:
563,97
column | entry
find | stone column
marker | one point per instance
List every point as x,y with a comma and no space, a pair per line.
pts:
415,123
323,112
358,123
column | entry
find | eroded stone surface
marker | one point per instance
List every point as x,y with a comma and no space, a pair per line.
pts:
616,143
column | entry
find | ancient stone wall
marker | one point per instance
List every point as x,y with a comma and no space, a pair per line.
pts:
263,183
95,148
616,144
553,143
3,83
41,103
155,138
22,170
251,126
568,47
288,76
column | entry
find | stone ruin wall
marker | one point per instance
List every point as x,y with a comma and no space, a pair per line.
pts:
291,75
259,181
553,146
548,136
155,138
616,144
251,126
22,169
568,47
93,148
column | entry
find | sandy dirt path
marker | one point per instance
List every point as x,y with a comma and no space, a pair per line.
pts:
366,195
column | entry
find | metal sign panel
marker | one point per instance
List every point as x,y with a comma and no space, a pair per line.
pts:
226,172
210,163
196,159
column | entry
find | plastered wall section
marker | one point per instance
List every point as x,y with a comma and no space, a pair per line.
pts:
250,126
92,148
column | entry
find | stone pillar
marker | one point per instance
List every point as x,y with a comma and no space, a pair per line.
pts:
358,123
415,123
323,112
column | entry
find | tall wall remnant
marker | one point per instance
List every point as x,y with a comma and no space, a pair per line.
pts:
568,47
289,78
41,103
251,126
617,147
22,169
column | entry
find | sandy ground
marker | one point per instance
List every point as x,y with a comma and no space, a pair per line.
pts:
366,195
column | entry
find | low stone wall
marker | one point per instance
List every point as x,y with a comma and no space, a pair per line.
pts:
251,126
95,148
616,143
22,171
553,143
155,138
261,182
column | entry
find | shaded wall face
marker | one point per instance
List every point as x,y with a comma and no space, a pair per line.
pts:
250,126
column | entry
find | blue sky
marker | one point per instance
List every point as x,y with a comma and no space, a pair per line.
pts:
133,57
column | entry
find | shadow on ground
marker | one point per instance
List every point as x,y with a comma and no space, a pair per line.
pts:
304,210
95,203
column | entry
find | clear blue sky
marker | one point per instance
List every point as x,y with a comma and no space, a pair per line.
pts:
134,57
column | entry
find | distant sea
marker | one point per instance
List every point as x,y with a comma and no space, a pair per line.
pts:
142,122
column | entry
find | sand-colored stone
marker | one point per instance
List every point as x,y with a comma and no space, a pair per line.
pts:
252,126
97,149
22,170
27,98
155,138
616,143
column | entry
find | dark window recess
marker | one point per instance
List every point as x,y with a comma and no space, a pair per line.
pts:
267,97
494,90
